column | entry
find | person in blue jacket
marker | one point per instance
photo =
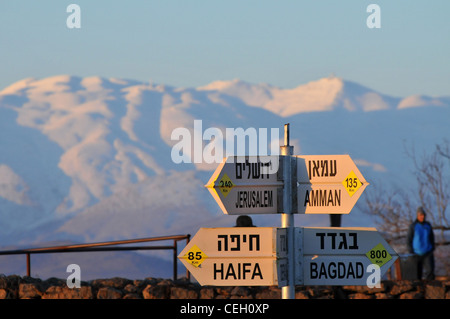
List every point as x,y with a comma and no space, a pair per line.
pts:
420,241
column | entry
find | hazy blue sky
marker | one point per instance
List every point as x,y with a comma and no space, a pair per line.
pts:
190,43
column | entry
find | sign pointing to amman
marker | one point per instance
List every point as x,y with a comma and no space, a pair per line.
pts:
328,184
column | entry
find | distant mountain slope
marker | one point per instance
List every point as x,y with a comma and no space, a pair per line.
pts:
89,159
326,94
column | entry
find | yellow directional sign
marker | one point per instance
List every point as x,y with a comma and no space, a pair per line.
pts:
379,255
194,256
352,183
225,185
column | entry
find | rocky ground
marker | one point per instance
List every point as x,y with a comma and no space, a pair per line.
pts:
16,287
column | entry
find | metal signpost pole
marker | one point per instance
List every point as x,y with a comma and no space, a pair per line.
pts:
287,217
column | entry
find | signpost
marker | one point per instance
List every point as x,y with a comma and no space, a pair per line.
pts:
287,256
246,256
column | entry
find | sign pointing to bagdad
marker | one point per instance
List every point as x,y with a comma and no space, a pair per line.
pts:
341,256
249,256
328,184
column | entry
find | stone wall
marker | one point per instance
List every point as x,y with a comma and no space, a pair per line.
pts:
16,287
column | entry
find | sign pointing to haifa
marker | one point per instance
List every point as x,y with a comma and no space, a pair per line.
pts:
251,256
328,184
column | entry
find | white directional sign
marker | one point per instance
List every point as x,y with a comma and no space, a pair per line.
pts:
247,185
341,256
328,184
247,256
337,271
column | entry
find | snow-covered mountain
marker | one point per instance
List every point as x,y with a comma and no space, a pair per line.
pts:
89,159
326,94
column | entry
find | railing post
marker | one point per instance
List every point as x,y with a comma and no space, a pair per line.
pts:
28,265
188,274
175,268
398,269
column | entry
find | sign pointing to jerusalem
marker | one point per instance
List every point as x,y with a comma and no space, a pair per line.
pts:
247,185
251,256
328,184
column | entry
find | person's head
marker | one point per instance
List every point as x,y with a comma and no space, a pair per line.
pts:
421,215
244,221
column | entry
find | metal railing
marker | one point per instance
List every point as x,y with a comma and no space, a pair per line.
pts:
91,247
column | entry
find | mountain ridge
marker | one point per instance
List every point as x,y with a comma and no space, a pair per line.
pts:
89,158
322,93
